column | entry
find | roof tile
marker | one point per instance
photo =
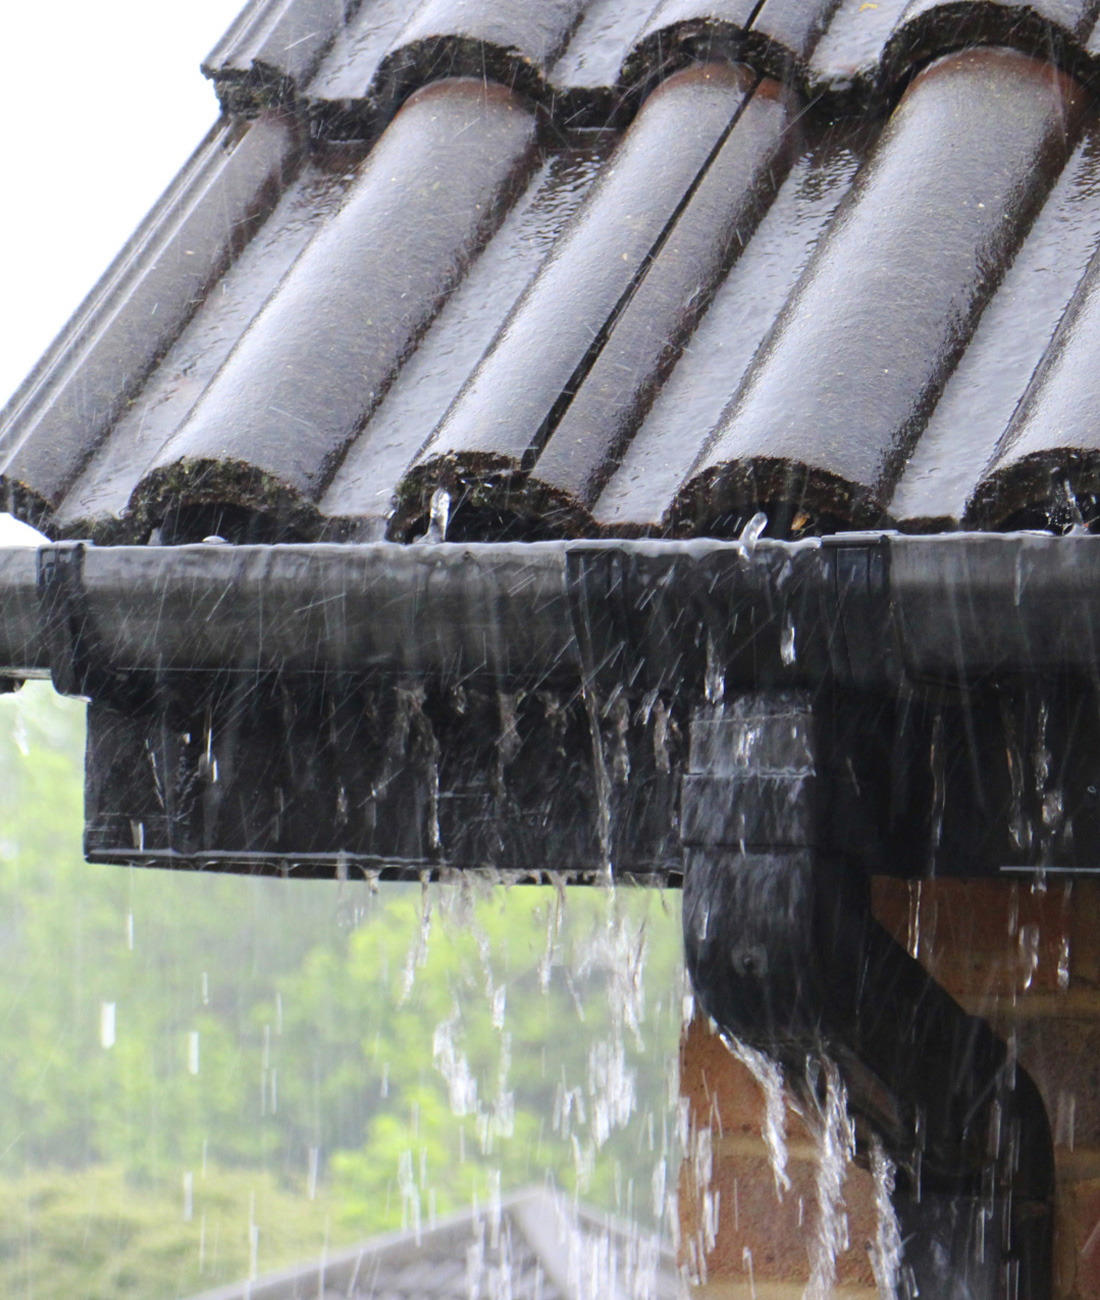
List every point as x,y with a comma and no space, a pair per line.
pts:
359,499
760,279
324,348
513,399
1007,348
692,399
648,334
1056,430
82,386
513,44
861,352
274,48
98,501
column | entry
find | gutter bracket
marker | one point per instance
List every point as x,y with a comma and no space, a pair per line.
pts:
75,666
862,573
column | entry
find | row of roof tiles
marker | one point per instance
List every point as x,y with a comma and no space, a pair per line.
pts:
346,63
740,300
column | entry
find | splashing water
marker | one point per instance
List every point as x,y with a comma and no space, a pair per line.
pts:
753,531
455,1069
834,1138
769,1076
417,956
439,515
1029,953
885,1250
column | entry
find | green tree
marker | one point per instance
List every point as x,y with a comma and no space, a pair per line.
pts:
362,1056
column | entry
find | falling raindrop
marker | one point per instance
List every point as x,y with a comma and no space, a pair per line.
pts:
439,514
1029,954
913,943
1063,962
106,1024
746,1260
787,650
715,680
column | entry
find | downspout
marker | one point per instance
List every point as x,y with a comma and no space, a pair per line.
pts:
784,955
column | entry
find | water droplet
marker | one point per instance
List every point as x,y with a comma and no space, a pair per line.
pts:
439,516
753,530
787,650
106,1024
1029,953
1063,962
715,681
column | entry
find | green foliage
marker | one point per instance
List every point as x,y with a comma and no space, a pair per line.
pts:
98,1234
395,1052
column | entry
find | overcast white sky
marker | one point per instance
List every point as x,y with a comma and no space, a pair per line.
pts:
101,102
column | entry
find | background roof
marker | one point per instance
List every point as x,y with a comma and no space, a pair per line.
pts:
602,268
531,1246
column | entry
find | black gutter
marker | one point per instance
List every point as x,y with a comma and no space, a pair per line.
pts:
866,608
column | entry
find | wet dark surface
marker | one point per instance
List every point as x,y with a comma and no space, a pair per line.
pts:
347,98
690,403
348,73
622,338
860,354
792,27
1053,29
330,339
649,332
680,31
96,505
586,77
513,44
272,50
118,333
514,398
848,60
360,498
1054,438
1008,346
460,780
525,708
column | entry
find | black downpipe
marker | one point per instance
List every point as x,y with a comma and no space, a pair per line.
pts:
784,954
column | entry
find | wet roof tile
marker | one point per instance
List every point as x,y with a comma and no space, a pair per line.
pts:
599,267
